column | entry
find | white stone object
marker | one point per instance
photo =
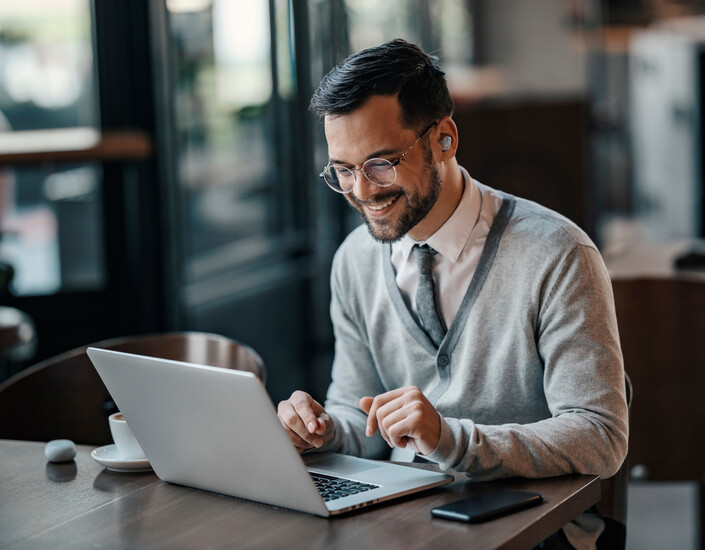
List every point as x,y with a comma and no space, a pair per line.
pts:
60,450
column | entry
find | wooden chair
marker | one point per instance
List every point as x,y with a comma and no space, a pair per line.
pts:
63,397
613,502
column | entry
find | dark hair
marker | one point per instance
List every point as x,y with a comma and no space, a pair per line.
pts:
396,67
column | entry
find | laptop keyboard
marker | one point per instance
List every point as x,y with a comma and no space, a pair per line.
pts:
332,488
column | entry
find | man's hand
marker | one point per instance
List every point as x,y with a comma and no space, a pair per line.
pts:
405,418
305,421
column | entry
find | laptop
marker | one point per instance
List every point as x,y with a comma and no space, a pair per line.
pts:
217,430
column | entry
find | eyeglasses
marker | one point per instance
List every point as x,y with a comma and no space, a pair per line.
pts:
381,172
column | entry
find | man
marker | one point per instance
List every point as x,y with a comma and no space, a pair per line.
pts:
518,371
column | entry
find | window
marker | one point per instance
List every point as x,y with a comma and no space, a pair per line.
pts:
232,81
50,217
443,27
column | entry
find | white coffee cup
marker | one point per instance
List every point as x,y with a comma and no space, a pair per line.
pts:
125,440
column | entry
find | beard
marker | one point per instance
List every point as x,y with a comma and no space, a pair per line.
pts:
418,204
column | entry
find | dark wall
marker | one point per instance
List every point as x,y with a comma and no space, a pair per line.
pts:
535,149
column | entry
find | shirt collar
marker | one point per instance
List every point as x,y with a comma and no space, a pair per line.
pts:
453,235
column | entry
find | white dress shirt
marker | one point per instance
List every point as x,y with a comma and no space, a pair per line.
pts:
459,243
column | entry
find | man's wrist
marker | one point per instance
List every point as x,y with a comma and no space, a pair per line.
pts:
445,435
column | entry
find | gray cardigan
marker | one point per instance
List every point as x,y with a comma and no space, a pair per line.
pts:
529,379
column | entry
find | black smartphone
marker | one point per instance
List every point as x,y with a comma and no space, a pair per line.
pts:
486,506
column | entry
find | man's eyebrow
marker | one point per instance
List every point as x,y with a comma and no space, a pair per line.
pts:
376,154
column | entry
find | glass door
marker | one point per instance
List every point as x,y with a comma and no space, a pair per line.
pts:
236,140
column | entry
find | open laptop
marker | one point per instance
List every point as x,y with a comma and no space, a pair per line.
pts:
216,429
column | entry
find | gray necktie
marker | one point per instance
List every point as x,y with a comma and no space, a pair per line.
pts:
426,306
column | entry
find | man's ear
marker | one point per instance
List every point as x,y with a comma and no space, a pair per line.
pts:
448,140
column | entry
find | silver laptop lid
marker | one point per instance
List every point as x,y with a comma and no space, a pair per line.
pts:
186,418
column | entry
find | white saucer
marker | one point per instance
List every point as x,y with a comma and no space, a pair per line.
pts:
109,457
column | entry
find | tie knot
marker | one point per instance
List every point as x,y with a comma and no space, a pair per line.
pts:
423,254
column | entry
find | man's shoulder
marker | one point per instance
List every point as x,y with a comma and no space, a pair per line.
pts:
532,222
359,238
357,245
358,261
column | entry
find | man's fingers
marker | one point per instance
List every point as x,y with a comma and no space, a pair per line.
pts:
365,404
304,406
292,421
298,443
324,424
306,420
397,425
288,419
378,402
404,418
387,415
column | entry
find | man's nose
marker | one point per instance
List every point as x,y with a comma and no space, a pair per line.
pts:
362,187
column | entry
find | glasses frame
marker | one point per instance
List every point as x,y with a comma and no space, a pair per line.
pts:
393,163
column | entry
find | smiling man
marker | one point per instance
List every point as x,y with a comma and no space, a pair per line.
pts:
416,206
473,329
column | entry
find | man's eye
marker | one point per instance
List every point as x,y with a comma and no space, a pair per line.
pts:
379,165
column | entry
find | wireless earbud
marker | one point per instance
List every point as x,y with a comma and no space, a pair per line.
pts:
445,143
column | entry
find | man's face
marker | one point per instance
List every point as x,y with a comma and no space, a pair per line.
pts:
375,131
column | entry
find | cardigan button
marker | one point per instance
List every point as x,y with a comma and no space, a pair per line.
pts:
443,360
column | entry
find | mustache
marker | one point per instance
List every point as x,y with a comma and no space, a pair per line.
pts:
377,199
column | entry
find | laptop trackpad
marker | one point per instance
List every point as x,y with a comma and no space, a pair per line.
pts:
340,464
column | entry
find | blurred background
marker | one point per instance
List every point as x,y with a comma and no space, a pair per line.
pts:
159,169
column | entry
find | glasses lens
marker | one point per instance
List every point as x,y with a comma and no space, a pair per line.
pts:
339,178
380,171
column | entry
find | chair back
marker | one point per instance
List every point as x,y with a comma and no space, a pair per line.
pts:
612,506
613,502
63,397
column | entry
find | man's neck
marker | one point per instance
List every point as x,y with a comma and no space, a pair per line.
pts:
451,192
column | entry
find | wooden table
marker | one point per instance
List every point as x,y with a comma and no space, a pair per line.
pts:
82,505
